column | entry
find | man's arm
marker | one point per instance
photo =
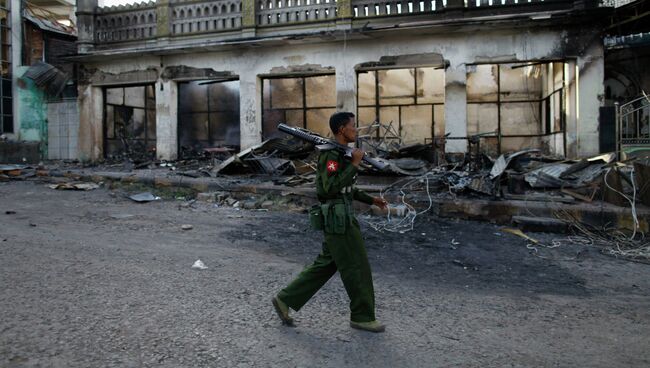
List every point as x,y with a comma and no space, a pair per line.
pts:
362,196
333,177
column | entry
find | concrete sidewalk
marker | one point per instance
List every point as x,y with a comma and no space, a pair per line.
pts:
500,211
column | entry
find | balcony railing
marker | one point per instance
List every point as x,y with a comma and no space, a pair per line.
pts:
271,12
177,18
371,8
190,17
125,23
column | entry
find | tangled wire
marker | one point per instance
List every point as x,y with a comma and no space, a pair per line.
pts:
401,224
611,240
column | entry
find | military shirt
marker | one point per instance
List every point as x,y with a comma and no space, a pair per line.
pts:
336,178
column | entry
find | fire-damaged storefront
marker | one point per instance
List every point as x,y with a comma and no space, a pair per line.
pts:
130,122
208,116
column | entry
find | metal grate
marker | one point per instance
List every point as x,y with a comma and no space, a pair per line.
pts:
6,98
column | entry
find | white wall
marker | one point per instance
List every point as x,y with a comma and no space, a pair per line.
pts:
62,130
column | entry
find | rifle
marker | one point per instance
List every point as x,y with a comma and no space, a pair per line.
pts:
323,143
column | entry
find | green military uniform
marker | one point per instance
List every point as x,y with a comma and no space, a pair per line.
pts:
343,248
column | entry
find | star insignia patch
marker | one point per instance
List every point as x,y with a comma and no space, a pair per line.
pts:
332,166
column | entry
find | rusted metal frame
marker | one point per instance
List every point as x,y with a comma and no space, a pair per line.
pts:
304,103
530,135
377,107
146,120
499,108
432,104
433,122
530,62
356,97
105,127
207,92
178,122
564,108
296,75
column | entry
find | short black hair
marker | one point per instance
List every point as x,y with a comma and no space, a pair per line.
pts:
339,119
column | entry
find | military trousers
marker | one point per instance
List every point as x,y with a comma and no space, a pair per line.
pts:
347,254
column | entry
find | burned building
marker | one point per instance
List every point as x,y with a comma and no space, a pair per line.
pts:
39,99
625,116
170,77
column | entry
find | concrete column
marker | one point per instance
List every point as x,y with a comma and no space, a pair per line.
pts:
91,121
589,79
346,88
250,109
456,107
85,25
163,18
248,17
344,9
166,120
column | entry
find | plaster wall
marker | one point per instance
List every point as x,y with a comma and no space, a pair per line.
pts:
458,49
591,93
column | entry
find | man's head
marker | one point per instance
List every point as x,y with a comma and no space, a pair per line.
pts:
343,126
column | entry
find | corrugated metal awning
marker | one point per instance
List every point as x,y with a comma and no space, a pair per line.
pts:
47,77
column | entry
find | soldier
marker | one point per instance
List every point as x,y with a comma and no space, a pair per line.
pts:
343,248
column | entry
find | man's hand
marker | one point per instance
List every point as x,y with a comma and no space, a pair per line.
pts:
357,155
379,202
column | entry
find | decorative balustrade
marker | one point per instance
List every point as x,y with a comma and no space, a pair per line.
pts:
125,23
278,12
615,3
373,8
497,3
205,16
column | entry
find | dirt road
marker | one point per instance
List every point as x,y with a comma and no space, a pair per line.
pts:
91,279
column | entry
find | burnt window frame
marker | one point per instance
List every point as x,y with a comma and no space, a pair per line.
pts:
545,102
146,122
6,85
304,108
208,112
378,106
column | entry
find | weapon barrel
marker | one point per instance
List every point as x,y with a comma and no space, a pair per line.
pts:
297,132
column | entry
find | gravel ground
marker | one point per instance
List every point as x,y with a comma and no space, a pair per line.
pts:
91,279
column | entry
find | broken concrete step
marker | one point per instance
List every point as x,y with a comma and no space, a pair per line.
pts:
540,224
206,197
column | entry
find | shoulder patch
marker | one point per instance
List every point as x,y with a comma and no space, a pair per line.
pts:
332,166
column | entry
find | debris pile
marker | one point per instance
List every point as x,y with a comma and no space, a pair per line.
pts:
531,176
16,172
609,239
384,141
260,203
74,186
286,155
